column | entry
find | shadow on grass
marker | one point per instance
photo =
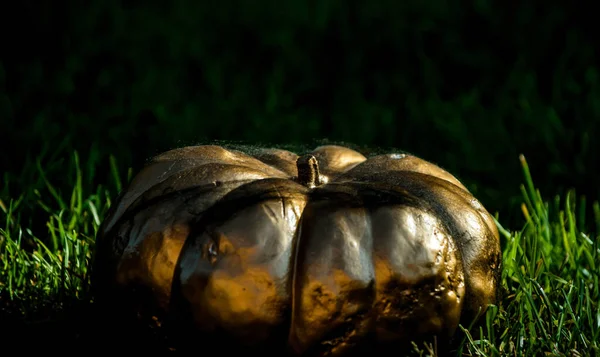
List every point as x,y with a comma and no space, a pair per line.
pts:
78,326
73,326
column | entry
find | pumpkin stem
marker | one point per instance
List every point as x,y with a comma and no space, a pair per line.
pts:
308,171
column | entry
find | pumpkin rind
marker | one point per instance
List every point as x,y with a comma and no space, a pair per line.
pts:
378,250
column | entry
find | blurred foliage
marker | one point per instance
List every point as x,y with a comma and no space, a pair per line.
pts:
466,84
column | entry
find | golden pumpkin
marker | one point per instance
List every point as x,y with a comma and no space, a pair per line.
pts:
327,253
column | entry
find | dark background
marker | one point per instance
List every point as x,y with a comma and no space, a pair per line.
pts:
468,85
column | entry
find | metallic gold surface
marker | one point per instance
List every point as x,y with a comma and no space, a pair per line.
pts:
321,254
334,159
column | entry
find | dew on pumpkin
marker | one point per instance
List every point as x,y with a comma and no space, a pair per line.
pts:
212,252
397,156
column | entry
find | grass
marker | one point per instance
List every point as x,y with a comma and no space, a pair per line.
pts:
551,271
550,277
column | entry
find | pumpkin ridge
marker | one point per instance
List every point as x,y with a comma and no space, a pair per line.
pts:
216,217
344,333
142,203
463,236
399,162
179,162
239,198
186,175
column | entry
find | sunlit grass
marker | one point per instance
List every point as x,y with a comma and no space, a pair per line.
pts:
550,277
551,271
56,264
